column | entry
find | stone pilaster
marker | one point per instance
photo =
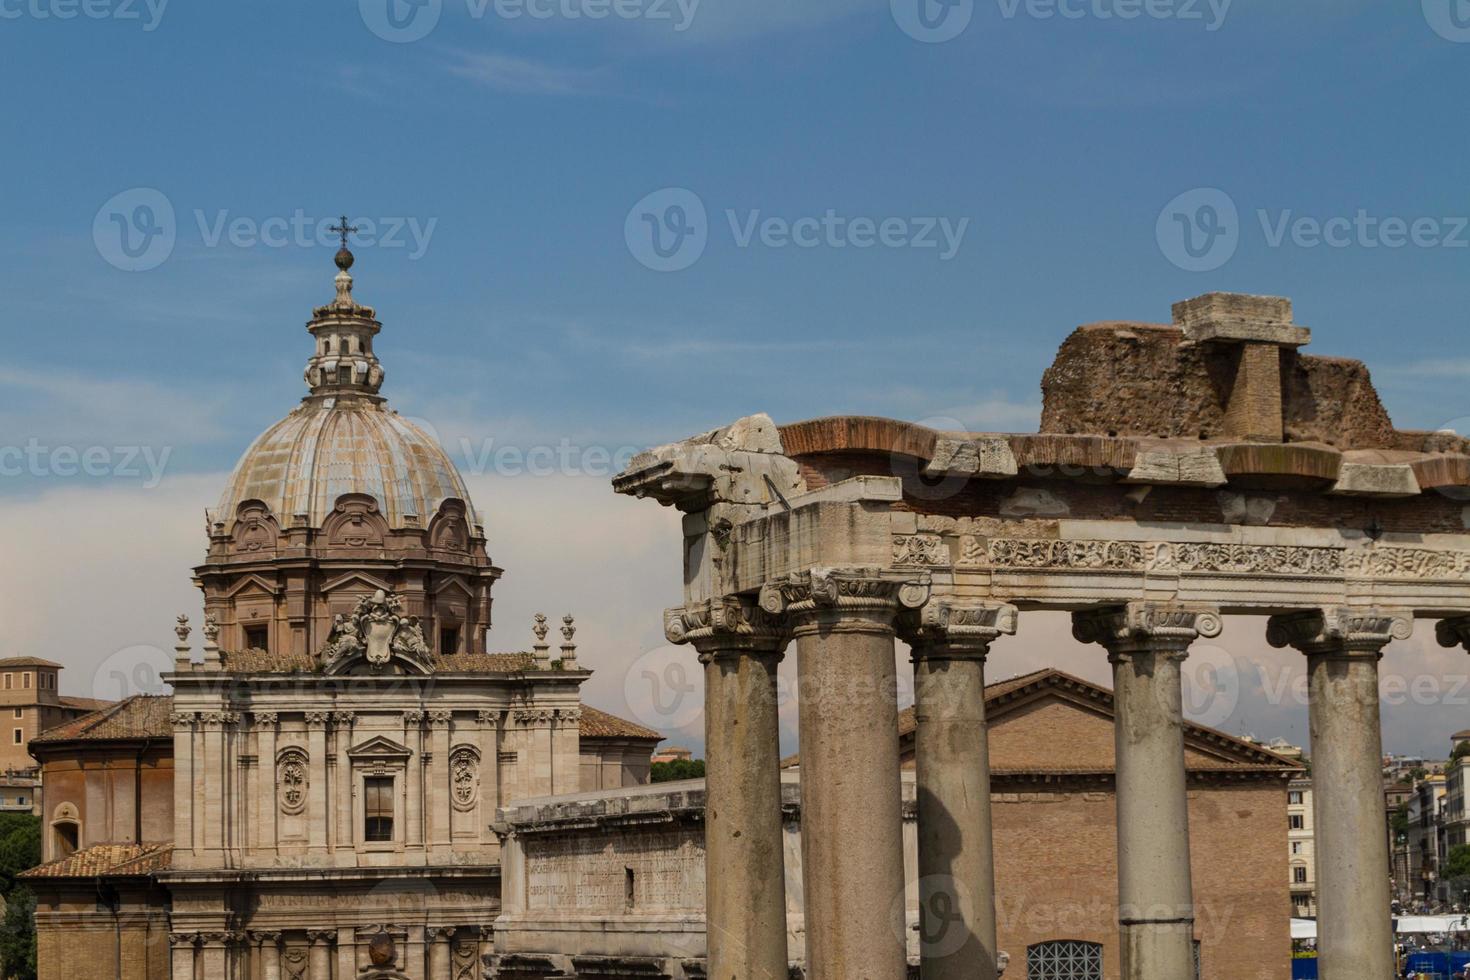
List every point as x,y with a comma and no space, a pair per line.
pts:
740,646
342,836
214,953
950,641
319,961
436,802
440,953
1343,647
489,770
186,812
1146,642
265,767
268,949
852,817
182,947
210,785
316,806
413,778
566,750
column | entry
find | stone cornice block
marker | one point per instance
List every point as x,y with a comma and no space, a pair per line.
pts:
1239,318
1182,468
1376,480
983,456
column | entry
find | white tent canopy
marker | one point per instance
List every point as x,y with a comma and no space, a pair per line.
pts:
1433,923
1303,928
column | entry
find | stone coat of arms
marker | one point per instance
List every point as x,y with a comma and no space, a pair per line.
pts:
376,631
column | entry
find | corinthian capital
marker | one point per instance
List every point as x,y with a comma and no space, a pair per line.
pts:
1339,630
1140,626
726,623
947,627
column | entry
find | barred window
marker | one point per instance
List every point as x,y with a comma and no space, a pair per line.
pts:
1064,960
378,808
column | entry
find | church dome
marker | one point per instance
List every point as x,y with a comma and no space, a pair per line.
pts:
327,448
343,439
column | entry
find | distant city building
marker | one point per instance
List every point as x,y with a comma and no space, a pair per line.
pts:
674,753
1301,848
30,703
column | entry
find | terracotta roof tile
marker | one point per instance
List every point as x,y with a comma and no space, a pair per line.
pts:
600,724
108,859
485,663
85,704
140,716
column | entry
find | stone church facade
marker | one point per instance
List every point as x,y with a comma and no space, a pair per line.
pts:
342,742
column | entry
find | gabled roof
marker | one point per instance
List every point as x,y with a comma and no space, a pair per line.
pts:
140,716
118,860
600,724
1211,750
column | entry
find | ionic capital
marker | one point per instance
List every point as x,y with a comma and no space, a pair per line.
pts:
948,628
342,719
266,937
726,624
1453,632
317,719
1146,627
1340,630
265,719
184,719
833,595
325,936
185,939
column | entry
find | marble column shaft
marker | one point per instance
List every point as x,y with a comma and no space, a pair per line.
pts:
740,647
957,931
1343,647
851,798
1146,643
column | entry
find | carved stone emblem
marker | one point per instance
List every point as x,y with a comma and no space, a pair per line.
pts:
464,767
378,631
382,951
291,780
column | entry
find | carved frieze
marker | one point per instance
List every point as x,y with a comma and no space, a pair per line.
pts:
920,551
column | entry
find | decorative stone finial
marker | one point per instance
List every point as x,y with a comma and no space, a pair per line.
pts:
183,629
542,650
568,649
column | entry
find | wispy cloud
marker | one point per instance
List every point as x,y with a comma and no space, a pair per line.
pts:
525,76
81,409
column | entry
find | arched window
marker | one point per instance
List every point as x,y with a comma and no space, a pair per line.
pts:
1065,959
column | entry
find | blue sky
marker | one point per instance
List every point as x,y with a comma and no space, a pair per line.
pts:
1050,146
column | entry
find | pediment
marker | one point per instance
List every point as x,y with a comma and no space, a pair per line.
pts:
362,579
453,583
379,747
252,583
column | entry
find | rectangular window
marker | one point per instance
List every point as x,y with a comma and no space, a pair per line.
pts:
25,680
19,713
18,735
1294,797
1296,821
449,640
1299,875
378,808
258,638
1296,847
9,681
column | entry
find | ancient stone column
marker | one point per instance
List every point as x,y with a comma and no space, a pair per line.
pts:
319,959
740,646
1343,647
852,815
1146,642
269,950
181,954
949,641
